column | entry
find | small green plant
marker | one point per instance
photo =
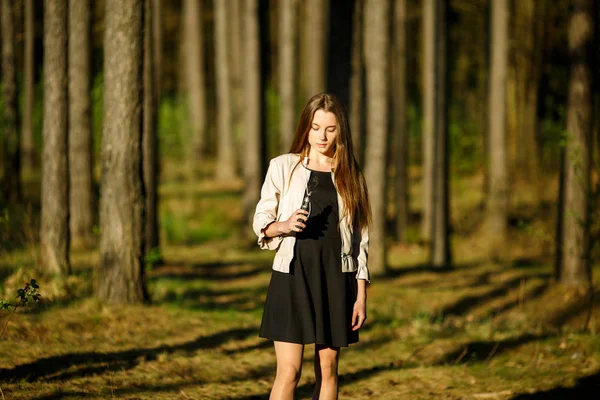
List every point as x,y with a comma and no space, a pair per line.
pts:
24,296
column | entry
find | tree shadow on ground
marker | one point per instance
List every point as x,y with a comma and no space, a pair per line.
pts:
214,271
241,299
90,363
585,388
469,302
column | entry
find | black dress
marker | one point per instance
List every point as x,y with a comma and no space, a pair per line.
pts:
313,303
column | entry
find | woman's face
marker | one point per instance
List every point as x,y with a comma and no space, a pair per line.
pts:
323,133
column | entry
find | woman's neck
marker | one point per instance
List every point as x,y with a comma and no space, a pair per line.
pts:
321,161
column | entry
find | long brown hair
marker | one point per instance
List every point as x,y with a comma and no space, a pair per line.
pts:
349,178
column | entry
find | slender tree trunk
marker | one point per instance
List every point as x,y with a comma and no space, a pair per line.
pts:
120,276
401,186
440,246
376,48
497,201
429,30
528,35
357,103
194,73
28,153
80,126
287,71
225,146
253,109
235,56
157,48
149,139
54,229
315,29
575,268
12,157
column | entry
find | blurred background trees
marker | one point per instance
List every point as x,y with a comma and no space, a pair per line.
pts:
502,92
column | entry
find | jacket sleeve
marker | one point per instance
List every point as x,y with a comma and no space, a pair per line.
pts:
363,254
266,209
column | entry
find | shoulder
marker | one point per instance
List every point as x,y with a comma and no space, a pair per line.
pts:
285,159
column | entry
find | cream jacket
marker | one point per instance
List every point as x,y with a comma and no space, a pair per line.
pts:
280,197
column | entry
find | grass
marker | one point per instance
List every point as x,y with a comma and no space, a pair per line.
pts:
482,330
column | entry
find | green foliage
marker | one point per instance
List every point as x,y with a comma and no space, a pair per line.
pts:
30,292
152,257
97,111
212,224
174,133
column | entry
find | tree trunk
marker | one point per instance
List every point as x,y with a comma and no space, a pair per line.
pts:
315,42
357,103
440,246
149,139
12,157
287,71
28,153
429,30
120,276
497,201
528,35
157,48
253,109
194,73
80,126
400,142
235,61
225,147
376,49
54,229
575,268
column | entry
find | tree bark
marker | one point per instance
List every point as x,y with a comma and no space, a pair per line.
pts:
157,48
225,144
497,201
400,142
357,103
287,71
376,49
80,126
429,31
54,229
194,73
28,152
120,276
149,137
12,156
575,268
315,42
253,109
440,246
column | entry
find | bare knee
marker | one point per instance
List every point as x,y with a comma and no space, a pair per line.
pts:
289,374
328,365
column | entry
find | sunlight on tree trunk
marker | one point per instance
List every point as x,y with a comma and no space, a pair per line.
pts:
120,275
376,48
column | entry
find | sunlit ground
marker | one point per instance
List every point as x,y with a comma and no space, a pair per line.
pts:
481,330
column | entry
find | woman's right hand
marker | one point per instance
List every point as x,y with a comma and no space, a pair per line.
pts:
296,222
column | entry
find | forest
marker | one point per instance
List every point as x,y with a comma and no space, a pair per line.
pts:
135,136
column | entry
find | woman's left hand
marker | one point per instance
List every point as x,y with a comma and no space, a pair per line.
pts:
359,315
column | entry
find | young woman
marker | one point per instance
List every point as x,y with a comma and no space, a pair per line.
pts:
317,292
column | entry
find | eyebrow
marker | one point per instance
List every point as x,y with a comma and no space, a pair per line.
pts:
330,126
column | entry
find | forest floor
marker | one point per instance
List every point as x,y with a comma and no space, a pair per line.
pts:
480,330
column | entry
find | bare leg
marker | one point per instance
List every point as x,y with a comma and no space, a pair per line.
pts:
326,372
289,368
